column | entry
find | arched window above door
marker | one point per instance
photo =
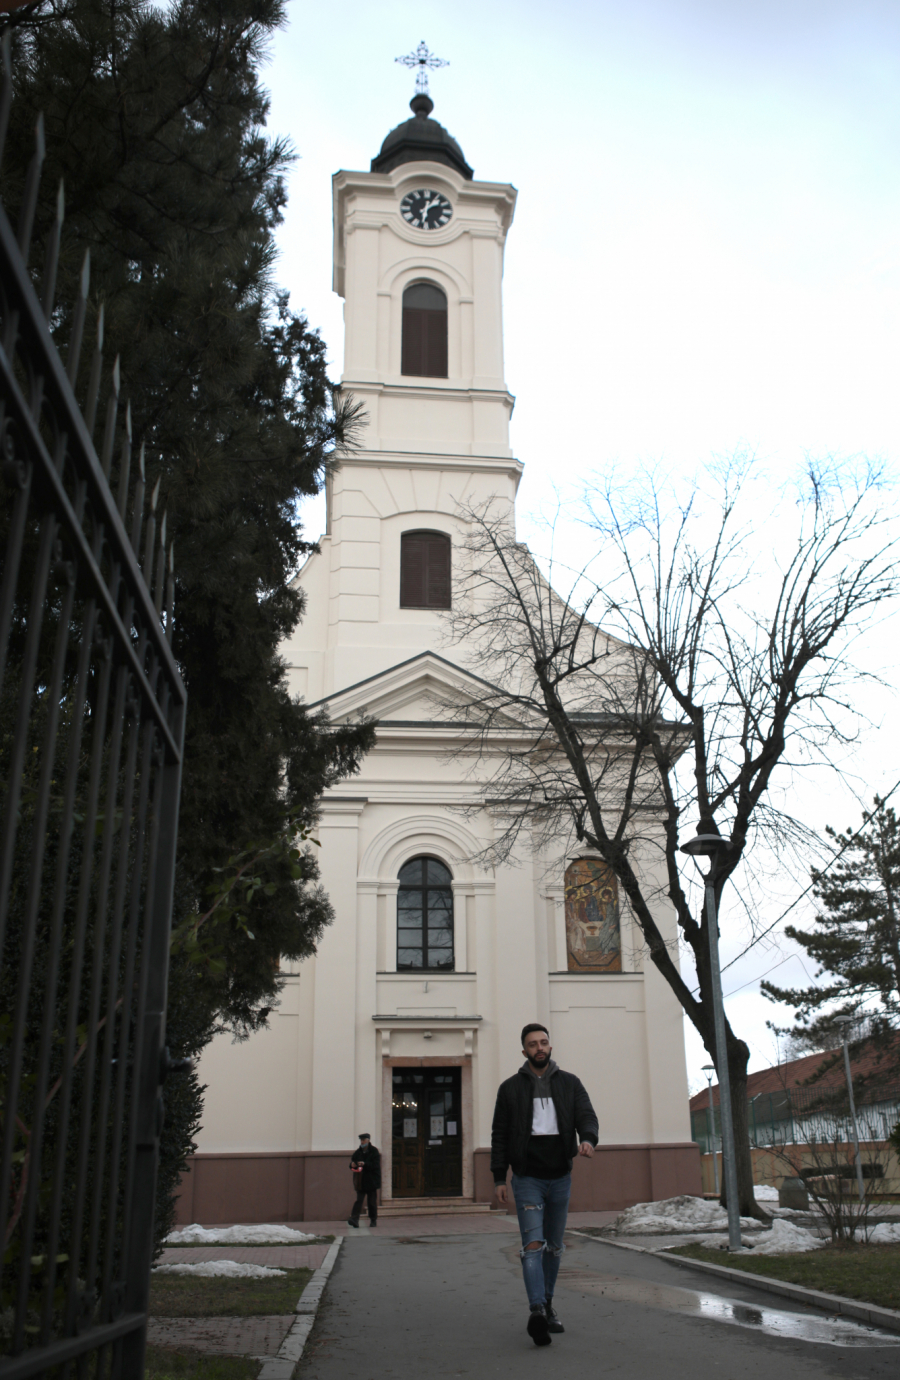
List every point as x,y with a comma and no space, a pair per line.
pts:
423,351
425,916
424,570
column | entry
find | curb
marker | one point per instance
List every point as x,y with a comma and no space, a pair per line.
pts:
870,1313
281,1367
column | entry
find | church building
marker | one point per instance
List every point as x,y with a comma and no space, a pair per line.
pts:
408,1017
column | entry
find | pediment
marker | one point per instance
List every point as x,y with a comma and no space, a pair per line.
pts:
420,692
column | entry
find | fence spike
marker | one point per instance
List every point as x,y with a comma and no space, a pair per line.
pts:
112,409
170,593
90,411
6,91
78,321
32,184
160,566
51,258
138,505
125,463
150,539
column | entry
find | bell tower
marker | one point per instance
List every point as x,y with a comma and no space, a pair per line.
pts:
418,260
418,220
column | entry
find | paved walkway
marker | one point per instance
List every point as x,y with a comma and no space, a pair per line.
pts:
262,1336
442,1224
452,1304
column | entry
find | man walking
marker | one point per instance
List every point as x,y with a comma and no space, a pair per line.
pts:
366,1165
540,1116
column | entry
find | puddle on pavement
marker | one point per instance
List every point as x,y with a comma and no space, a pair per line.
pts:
798,1327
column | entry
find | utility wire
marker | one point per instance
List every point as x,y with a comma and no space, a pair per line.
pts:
769,928
798,899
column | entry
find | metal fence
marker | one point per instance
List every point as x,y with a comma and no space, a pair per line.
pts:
91,728
805,1116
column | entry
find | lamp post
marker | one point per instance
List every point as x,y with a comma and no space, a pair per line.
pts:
844,1022
709,844
709,1070
753,1101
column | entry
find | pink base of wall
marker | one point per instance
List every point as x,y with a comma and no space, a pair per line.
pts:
315,1186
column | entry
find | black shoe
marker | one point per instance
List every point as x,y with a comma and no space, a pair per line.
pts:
553,1322
351,1223
537,1327
373,1222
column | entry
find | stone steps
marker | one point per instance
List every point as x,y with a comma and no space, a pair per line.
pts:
430,1207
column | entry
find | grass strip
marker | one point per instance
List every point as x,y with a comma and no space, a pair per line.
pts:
193,1296
870,1273
162,1363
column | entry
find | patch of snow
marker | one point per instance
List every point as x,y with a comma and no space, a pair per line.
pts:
765,1193
220,1269
250,1234
885,1232
680,1216
785,1238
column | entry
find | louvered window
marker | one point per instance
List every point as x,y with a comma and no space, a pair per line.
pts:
424,570
424,348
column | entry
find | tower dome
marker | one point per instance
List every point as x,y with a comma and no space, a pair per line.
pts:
420,140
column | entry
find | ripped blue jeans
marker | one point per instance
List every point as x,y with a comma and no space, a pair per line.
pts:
542,1206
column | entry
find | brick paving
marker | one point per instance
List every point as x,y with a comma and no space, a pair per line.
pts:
441,1224
292,1257
260,1336
283,1257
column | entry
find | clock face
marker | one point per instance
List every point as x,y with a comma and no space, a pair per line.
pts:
426,210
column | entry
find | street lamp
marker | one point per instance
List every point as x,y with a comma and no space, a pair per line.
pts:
844,1022
709,1070
709,844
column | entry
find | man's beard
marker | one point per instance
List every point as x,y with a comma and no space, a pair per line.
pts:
540,1061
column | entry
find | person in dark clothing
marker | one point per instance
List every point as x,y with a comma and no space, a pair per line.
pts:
541,1115
366,1165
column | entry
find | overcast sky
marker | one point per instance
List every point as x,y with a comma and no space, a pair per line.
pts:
705,254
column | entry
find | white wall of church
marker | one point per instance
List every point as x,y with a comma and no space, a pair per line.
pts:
314,1081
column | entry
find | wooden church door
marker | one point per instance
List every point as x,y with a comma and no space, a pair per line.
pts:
427,1133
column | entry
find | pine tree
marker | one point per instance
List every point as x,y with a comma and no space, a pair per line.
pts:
856,936
154,119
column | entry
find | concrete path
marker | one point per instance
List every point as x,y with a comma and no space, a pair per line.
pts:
454,1305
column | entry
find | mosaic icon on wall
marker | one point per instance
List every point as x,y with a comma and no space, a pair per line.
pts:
593,941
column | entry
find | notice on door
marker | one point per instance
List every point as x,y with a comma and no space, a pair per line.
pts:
410,1127
437,1125
451,1128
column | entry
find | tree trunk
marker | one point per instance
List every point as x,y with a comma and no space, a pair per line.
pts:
738,1056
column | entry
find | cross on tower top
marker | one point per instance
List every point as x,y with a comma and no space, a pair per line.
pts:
422,59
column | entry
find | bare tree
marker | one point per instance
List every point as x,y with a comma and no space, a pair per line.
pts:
682,668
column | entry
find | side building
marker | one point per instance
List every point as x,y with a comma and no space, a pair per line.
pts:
409,1015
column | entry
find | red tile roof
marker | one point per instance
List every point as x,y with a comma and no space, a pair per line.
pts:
797,1072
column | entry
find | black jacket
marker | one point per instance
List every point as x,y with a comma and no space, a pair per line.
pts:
513,1113
369,1161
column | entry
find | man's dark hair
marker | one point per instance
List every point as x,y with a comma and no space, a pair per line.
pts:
527,1029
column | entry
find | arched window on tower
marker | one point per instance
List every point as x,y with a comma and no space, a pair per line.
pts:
425,916
424,346
424,570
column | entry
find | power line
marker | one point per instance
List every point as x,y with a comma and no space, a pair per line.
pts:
798,899
796,902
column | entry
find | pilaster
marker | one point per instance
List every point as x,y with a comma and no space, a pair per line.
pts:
334,1046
